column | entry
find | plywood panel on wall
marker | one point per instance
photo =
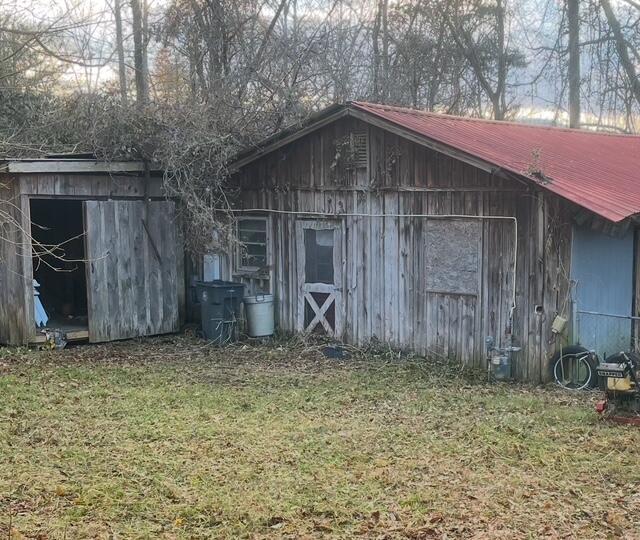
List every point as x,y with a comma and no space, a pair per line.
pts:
453,262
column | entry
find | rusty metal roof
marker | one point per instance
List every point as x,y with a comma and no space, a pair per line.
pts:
598,171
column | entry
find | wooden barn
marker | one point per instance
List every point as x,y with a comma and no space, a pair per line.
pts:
430,232
95,245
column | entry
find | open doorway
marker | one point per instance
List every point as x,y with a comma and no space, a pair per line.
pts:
60,285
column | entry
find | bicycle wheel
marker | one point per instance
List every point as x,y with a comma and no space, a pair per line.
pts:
574,368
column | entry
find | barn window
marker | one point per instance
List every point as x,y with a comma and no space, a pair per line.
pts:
253,250
452,256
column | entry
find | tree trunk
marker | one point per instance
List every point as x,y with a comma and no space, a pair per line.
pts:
145,45
466,45
499,99
122,74
139,48
573,13
385,51
375,36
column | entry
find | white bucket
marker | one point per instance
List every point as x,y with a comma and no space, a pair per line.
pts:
259,312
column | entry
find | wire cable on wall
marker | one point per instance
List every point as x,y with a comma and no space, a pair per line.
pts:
513,219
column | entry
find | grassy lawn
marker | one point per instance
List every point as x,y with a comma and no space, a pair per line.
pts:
167,438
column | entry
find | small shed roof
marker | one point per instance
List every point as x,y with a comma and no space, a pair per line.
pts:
598,171
73,165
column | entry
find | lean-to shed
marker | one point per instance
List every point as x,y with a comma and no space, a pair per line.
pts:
430,232
96,242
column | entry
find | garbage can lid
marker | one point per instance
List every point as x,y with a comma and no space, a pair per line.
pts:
219,284
258,299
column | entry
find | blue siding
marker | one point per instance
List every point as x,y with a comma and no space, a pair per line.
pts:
602,270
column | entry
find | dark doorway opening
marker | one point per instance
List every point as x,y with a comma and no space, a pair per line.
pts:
57,230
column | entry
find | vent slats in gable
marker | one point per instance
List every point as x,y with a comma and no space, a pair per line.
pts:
360,149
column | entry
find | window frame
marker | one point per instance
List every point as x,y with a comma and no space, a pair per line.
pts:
239,267
307,259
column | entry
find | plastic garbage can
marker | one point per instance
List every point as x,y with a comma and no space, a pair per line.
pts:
259,312
220,308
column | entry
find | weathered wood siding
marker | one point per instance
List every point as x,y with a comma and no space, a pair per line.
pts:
17,324
386,295
15,265
132,269
88,186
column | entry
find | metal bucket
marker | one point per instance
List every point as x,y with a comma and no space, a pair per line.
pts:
259,313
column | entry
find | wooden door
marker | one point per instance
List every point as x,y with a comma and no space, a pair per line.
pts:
133,264
320,273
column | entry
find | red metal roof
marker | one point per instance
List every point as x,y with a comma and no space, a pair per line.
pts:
598,171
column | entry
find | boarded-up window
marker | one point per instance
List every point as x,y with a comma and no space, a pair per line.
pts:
452,256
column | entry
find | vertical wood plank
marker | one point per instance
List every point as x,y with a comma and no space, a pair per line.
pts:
386,257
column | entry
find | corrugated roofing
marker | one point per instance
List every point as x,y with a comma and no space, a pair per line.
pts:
598,171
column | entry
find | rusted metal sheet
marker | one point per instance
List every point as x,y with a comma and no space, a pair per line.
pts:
598,171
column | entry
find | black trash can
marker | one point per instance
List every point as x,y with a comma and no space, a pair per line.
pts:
220,303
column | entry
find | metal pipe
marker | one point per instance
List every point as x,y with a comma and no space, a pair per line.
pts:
608,315
425,216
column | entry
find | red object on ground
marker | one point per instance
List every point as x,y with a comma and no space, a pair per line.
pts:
601,407
598,171
625,420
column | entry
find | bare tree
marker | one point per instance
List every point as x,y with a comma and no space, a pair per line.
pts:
122,70
140,53
226,73
478,29
623,47
573,10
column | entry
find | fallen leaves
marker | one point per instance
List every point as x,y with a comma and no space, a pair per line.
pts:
168,438
615,518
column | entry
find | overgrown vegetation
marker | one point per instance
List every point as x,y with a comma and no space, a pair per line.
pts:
191,145
184,84
169,438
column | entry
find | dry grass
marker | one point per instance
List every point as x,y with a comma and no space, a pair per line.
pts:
167,438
